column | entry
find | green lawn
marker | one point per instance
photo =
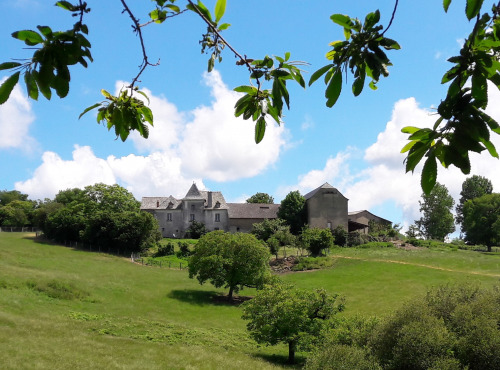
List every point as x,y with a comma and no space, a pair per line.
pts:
64,308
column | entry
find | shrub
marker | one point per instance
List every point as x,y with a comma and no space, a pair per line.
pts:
316,240
412,338
165,250
338,356
313,263
340,236
183,250
196,230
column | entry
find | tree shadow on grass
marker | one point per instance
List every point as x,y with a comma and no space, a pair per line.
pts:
204,298
282,360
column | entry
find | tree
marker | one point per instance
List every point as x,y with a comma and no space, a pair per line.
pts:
280,313
481,220
275,233
229,260
472,187
462,125
196,230
316,240
261,198
340,235
7,196
16,213
106,215
293,211
437,219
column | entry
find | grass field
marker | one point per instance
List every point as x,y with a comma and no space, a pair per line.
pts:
64,308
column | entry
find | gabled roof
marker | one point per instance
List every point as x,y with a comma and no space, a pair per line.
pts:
324,186
367,213
217,201
193,193
160,203
253,210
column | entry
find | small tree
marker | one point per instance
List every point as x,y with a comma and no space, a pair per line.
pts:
196,230
340,236
316,240
229,260
293,211
267,228
281,314
481,220
437,220
472,187
261,198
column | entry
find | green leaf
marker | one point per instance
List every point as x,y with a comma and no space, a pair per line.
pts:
446,5
211,63
415,155
30,38
106,94
45,30
65,5
491,148
220,9
31,87
320,72
473,7
342,20
143,94
9,65
89,109
246,89
479,86
371,19
148,115
204,10
287,56
43,86
224,26
408,146
409,129
429,174
7,87
260,129
174,8
389,44
373,85
333,89
359,83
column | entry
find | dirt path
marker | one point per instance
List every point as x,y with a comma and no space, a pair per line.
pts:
419,265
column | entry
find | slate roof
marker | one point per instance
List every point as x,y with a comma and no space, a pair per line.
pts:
324,186
312,192
193,193
253,210
160,203
355,213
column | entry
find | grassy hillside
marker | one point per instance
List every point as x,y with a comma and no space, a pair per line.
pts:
64,308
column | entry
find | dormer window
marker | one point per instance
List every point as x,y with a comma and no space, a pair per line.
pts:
157,203
170,204
217,204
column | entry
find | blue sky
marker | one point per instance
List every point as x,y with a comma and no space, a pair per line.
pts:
354,146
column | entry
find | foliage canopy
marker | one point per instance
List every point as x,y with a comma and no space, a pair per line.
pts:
230,260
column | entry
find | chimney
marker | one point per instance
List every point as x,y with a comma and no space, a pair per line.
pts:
209,205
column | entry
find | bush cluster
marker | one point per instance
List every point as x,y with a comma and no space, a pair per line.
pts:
452,327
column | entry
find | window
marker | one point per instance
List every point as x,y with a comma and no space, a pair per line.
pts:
169,217
217,217
329,225
192,207
191,217
216,228
157,204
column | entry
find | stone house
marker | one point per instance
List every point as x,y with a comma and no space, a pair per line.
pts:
326,208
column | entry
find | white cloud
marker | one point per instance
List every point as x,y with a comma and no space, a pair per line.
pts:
384,181
205,143
56,174
15,119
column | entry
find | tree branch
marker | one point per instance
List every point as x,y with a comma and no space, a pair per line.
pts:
392,17
137,29
214,29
